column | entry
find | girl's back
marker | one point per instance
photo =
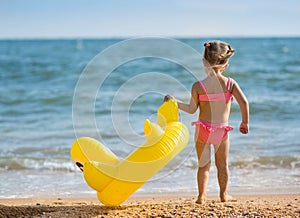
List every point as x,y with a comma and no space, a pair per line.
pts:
216,108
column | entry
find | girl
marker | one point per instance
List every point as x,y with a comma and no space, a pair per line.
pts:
213,96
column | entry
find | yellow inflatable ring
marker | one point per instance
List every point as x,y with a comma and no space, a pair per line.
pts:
114,179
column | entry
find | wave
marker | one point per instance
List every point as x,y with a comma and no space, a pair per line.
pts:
39,164
258,163
57,159
268,162
32,158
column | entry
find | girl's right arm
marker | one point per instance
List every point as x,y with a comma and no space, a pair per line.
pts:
244,107
192,106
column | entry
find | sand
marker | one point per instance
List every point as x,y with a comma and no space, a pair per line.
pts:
241,206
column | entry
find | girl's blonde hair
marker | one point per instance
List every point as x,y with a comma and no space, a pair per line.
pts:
217,53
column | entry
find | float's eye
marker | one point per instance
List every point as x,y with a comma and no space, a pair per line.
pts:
80,166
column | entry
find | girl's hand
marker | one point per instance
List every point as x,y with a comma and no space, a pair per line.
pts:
168,97
244,128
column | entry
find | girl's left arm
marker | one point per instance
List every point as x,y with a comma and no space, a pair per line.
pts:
244,107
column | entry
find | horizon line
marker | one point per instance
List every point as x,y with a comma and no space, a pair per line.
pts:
141,36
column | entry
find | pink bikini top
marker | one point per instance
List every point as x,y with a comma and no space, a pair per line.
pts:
226,96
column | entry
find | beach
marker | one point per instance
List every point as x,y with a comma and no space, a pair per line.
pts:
166,206
37,86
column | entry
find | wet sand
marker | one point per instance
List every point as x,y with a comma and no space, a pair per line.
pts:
241,206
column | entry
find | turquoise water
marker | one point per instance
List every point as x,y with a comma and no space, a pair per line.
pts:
37,83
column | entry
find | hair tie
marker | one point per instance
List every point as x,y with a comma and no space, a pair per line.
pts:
207,44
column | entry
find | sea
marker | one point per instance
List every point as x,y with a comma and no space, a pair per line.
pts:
53,91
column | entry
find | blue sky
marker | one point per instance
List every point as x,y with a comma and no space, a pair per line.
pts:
129,18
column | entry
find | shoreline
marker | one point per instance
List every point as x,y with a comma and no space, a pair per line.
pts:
156,206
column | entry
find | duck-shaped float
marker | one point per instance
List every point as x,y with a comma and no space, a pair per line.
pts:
114,179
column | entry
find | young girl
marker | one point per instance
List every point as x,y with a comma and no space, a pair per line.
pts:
213,96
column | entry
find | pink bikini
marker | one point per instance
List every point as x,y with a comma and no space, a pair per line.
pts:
213,133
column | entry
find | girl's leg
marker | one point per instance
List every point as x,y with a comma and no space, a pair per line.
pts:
221,159
203,153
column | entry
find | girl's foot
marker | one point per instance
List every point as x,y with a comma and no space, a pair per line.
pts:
201,200
225,198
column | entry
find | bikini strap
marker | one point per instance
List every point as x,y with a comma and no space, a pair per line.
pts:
202,86
228,84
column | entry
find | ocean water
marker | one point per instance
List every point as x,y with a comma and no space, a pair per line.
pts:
39,79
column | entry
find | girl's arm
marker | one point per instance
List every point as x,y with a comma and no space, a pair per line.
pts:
244,107
192,106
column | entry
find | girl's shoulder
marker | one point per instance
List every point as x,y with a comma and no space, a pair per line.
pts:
233,83
196,87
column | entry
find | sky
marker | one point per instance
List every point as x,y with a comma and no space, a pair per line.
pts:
134,18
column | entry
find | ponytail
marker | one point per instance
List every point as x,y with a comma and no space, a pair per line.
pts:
217,53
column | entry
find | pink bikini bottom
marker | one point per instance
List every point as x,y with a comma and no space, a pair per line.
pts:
211,133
